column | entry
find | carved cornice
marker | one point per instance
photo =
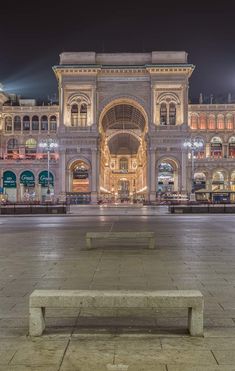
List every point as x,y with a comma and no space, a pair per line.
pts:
124,70
173,69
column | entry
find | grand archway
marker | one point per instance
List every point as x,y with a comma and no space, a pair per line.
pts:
167,176
79,182
123,164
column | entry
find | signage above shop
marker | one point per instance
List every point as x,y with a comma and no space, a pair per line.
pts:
9,179
43,178
80,174
27,179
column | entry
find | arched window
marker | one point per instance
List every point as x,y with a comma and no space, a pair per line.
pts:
123,164
200,151
218,180
17,123
199,181
229,122
211,122
163,114
44,123
30,146
8,124
172,114
220,122
74,115
216,147
35,123
26,123
202,123
12,148
53,123
231,147
83,115
194,122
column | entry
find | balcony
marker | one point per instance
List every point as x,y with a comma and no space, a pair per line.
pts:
209,160
123,172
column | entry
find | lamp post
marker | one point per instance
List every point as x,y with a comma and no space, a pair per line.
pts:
193,145
48,145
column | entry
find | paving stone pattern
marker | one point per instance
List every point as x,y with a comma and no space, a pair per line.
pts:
192,252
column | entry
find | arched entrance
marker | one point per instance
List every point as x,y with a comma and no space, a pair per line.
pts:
123,164
27,186
199,181
167,177
79,182
218,180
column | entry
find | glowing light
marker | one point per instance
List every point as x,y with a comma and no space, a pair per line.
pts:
142,190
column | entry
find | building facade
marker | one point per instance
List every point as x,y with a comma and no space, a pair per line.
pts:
121,124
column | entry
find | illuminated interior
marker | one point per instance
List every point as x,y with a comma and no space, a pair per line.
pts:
123,153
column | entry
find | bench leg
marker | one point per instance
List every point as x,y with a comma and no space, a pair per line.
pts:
195,321
36,321
151,243
88,243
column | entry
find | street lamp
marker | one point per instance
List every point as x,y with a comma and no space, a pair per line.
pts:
48,145
193,145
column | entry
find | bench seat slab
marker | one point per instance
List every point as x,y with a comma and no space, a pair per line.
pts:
41,299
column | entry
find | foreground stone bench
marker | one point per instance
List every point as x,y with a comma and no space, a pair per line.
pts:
120,235
42,299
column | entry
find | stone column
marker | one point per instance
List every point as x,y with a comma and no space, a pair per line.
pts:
208,150
209,181
184,172
21,192
152,175
94,176
38,192
176,181
62,172
227,183
148,177
225,151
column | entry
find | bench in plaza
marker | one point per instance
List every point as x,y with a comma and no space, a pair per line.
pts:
139,299
120,235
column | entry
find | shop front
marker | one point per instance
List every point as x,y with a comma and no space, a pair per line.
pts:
80,184
9,186
44,185
27,186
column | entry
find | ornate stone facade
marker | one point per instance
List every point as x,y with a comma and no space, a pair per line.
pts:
121,124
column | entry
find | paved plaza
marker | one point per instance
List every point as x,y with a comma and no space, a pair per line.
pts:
48,252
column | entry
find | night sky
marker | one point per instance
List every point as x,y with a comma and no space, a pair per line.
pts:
33,34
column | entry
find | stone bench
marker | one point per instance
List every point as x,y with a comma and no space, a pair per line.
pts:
120,235
139,299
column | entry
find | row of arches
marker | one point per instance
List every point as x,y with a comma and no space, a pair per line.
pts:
216,148
29,124
30,149
218,179
203,121
27,185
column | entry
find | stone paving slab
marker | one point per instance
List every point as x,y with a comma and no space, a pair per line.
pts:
193,252
183,367
39,353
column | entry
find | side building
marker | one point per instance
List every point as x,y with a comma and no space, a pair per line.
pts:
121,124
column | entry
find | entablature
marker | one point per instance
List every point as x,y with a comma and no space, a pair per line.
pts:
29,110
192,108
